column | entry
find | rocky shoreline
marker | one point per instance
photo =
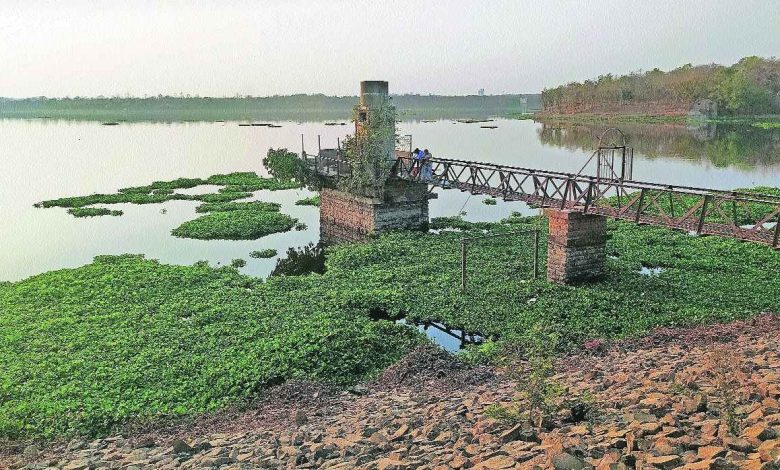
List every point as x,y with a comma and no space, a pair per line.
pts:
693,398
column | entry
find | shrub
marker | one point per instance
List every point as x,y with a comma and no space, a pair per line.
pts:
283,164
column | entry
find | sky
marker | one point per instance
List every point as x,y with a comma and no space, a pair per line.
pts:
228,47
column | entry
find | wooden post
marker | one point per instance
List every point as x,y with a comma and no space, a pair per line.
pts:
536,254
703,213
463,265
639,207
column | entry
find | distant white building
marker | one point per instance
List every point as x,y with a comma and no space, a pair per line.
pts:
481,92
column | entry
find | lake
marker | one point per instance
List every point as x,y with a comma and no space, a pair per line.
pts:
47,159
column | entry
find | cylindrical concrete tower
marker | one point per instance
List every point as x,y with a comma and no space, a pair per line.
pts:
375,114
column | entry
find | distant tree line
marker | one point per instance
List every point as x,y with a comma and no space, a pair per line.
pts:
317,106
751,86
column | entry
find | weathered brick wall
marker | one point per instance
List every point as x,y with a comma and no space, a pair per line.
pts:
346,218
576,246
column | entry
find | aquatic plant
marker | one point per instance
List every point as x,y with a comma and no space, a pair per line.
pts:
238,263
250,181
236,206
138,340
489,201
235,225
309,201
267,253
92,212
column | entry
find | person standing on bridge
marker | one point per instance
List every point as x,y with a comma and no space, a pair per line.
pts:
417,156
427,167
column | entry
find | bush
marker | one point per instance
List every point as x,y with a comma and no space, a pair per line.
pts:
283,164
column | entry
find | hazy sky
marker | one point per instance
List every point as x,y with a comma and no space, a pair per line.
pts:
218,48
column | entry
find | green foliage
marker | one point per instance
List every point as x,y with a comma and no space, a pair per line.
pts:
235,225
239,185
238,263
309,201
283,164
126,339
316,107
164,187
92,211
250,181
489,201
748,87
487,352
238,206
417,276
368,152
267,253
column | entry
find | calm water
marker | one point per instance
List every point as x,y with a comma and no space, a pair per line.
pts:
44,159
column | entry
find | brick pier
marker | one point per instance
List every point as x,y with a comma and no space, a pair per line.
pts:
345,217
576,247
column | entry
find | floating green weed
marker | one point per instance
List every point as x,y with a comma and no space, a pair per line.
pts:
127,339
309,201
92,212
235,225
267,253
236,206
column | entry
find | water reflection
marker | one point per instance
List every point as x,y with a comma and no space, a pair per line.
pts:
303,260
723,145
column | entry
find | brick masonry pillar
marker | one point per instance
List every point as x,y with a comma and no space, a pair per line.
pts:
576,247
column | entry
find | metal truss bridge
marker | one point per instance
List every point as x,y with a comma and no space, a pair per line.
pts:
732,214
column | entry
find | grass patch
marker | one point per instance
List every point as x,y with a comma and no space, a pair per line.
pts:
309,201
267,253
92,212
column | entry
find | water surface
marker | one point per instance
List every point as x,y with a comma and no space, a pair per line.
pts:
46,159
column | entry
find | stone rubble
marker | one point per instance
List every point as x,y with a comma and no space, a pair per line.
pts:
667,401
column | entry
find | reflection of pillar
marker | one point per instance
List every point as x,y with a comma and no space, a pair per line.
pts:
576,246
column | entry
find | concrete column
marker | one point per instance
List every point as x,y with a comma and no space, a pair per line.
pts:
576,247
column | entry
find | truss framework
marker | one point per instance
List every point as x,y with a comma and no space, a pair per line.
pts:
741,215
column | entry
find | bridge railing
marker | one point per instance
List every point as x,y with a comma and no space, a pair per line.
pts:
733,214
